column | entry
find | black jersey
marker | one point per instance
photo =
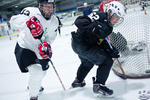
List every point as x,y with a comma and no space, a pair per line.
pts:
89,32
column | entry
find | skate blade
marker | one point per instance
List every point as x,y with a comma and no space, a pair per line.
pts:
40,92
103,96
75,88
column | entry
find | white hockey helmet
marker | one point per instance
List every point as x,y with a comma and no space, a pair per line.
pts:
115,8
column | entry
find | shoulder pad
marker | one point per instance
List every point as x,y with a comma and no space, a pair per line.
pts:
30,11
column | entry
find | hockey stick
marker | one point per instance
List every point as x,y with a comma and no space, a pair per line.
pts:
53,67
120,66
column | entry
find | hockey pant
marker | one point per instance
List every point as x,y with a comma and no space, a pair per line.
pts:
26,57
89,57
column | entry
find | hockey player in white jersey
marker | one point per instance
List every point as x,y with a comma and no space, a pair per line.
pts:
35,24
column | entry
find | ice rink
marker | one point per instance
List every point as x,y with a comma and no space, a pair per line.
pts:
13,84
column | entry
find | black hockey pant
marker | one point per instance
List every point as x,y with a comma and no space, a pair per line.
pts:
90,56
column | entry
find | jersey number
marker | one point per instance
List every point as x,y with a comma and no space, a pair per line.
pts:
94,16
25,12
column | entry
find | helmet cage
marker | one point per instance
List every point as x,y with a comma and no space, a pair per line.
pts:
111,15
45,15
115,8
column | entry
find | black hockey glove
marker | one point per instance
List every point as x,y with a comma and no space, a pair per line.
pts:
114,53
102,30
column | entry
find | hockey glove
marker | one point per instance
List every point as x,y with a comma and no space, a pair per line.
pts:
100,29
114,53
45,51
35,27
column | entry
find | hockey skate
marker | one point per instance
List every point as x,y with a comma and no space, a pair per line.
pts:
101,90
34,98
40,90
76,83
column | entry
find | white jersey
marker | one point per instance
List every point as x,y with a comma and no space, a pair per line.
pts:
25,39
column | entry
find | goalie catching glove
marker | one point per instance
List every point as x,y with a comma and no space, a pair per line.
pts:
35,27
45,51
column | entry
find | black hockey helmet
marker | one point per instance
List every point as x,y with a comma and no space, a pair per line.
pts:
47,8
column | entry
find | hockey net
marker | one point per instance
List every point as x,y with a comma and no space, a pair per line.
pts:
132,39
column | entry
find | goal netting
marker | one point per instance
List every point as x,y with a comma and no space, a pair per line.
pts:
132,39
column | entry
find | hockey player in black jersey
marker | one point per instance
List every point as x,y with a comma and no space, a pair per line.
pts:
89,42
